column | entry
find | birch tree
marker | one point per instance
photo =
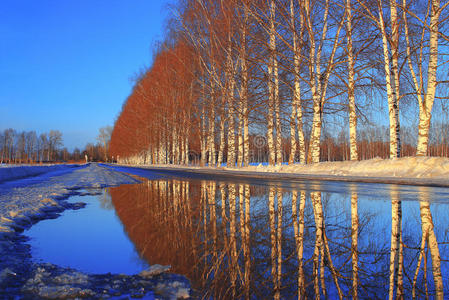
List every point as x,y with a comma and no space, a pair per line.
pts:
318,81
390,64
424,94
296,118
351,97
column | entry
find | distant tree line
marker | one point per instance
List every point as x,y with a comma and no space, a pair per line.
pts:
285,70
29,147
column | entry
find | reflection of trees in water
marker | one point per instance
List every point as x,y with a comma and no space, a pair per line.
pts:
354,240
275,216
428,238
241,241
396,249
105,200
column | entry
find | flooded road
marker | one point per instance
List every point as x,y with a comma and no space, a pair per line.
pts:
256,239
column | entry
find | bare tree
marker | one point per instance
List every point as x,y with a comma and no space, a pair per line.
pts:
104,136
54,142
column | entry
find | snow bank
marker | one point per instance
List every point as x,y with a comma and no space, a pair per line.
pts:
405,167
9,172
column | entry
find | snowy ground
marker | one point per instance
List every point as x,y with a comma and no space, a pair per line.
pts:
405,167
27,200
433,171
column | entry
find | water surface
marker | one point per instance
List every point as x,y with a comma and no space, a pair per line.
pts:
91,239
256,239
271,239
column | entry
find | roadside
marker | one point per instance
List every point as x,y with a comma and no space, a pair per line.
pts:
422,171
22,205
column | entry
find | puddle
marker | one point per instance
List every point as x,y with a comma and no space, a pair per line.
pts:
90,239
252,240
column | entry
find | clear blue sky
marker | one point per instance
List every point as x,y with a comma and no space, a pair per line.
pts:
67,64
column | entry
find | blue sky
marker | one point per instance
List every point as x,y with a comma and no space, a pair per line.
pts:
67,64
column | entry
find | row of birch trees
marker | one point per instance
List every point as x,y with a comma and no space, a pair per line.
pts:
281,70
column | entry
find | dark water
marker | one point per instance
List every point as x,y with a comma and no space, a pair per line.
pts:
255,239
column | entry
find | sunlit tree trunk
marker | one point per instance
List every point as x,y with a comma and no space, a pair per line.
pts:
395,69
244,89
314,151
296,122
231,114
391,96
318,86
240,138
211,135
203,136
351,97
425,106
222,134
277,104
271,88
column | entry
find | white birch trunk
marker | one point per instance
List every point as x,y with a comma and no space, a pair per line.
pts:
244,90
296,93
319,85
351,98
425,108
395,70
211,136
222,135
313,87
203,137
240,152
271,100
392,100
231,114
277,103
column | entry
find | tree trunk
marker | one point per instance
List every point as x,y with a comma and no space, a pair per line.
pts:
392,98
425,108
351,98
271,93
